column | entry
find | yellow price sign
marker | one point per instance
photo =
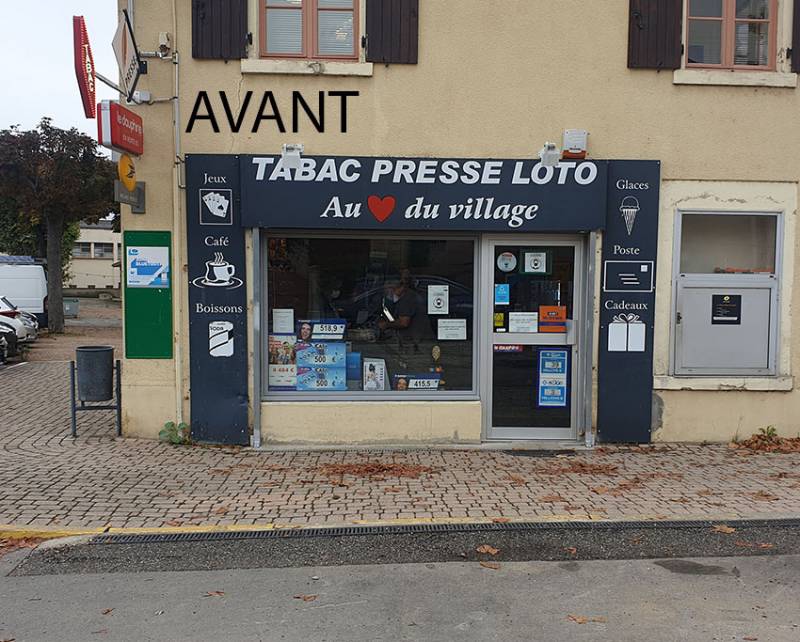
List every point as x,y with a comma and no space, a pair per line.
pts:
127,172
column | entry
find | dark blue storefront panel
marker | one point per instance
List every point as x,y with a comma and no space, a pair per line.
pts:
217,301
227,193
365,193
627,302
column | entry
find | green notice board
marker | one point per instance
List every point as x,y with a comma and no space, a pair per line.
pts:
147,279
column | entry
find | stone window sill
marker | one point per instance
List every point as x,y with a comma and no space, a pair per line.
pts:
306,67
734,78
763,384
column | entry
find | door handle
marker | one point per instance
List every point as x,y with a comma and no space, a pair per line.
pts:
678,318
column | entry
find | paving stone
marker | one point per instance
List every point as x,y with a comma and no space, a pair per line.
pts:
97,479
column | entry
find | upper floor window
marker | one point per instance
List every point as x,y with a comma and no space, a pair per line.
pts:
103,250
82,250
731,34
325,29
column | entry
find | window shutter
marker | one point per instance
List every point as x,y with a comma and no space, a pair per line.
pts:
796,37
392,31
654,34
219,29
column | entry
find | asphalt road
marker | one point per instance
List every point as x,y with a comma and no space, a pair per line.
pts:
567,543
679,599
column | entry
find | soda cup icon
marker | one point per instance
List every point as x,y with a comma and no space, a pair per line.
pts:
220,339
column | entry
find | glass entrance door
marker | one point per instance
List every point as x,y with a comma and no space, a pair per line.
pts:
531,346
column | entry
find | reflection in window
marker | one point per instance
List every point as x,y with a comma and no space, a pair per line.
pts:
728,243
369,315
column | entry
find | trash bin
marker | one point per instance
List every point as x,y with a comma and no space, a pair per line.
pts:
71,307
95,366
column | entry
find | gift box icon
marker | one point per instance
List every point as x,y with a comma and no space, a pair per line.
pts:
626,333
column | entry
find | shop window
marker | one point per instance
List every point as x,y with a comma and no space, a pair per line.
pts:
325,29
377,317
728,244
731,34
82,250
726,292
104,250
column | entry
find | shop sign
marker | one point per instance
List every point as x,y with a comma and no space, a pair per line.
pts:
217,294
127,54
726,309
340,192
627,302
84,65
120,129
126,170
136,199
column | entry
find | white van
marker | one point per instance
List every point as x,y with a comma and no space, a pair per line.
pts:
25,285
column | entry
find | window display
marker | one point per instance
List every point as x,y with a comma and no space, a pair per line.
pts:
389,316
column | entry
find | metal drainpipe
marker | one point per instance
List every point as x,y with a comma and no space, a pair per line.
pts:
176,221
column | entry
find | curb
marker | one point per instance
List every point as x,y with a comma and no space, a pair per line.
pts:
10,532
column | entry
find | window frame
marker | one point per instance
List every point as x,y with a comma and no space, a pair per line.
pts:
728,38
309,11
733,281
268,395
89,254
103,255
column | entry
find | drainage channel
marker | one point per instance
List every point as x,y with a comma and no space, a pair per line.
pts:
410,529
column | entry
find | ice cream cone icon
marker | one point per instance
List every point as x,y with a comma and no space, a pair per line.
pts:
629,209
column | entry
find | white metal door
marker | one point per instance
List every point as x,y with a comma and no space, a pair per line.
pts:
531,366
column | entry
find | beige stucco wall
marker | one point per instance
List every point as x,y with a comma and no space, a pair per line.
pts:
95,272
496,78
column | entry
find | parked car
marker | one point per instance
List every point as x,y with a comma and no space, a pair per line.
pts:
26,285
25,331
9,336
26,317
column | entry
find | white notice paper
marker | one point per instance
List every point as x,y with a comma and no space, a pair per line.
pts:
452,330
438,299
283,321
523,322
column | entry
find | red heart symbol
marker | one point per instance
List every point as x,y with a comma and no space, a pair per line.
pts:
381,208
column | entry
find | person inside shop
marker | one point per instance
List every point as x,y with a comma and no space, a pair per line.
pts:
408,321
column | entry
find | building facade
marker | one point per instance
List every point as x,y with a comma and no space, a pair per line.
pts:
95,255
417,273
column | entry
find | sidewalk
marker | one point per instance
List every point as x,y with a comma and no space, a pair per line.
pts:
47,480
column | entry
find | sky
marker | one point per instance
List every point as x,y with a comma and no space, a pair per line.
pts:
37,72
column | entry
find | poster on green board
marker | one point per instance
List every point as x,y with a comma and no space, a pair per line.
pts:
147,282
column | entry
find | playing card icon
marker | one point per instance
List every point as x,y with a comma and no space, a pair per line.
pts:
217,204
216,207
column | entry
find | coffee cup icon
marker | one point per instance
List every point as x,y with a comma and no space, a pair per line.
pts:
219,271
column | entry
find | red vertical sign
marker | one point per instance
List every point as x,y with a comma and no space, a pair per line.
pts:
84,65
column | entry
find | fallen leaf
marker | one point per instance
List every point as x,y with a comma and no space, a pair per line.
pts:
221,510
501,520
764,496
106,611
552,498
492,565
722,528
766,545
600,490
305,598
571,550
750,638
214,594
174,522
582,619
742,544
485,548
